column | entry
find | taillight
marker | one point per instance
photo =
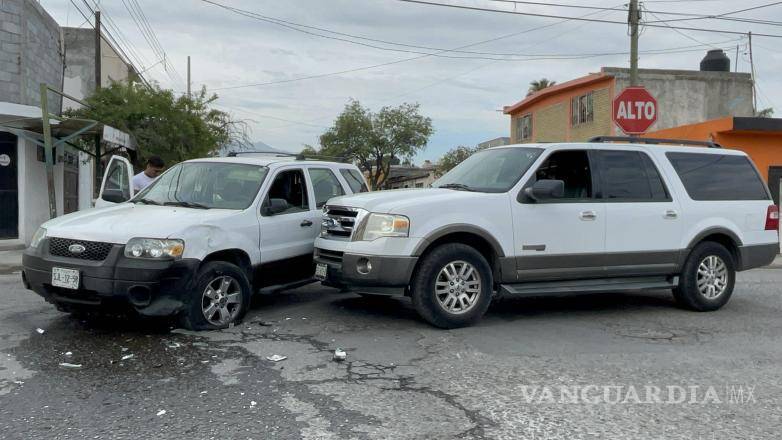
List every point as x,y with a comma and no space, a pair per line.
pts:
772,218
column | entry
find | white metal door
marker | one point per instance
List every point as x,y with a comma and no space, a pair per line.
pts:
117,184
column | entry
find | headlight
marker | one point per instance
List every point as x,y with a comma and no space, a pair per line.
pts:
154,248
385,225
38,237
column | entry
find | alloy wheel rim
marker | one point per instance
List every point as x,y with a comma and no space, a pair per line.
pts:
712,277
221,300
457,287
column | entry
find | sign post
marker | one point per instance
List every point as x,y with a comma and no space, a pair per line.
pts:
634,110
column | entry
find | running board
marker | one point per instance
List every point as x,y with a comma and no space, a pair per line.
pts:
270,290
546,288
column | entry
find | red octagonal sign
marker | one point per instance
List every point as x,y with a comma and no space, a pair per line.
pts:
635,110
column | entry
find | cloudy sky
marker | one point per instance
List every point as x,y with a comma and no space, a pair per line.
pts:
462,92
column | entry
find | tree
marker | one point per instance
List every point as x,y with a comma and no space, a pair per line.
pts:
174,128
375,140
536,86
453,157
766,113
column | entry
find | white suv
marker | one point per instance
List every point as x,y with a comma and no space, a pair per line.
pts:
197,242
544,219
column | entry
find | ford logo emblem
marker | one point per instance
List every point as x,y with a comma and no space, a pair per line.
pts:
76,248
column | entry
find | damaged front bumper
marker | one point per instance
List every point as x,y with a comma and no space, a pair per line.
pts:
151,287
375,274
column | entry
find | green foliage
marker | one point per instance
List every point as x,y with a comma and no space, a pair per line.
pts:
174,128
766,113
453,157
536,86
376,140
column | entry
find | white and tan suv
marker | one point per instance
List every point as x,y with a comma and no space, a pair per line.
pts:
526,220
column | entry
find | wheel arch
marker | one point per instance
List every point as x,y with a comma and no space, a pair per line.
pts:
237,257
480,239
723,236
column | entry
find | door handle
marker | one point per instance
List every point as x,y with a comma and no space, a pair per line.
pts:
670,214
305,223
587,215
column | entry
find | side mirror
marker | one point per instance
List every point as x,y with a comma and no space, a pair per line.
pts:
114,196
546,189
276,206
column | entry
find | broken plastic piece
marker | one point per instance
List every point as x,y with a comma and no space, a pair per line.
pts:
127,356
340,355
68,353
161,412
70,365
276,358
253,403
40,331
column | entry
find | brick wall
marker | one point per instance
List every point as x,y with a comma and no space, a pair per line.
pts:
550,124
30,53
601,125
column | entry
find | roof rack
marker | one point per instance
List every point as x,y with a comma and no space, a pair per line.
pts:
654,141
298,156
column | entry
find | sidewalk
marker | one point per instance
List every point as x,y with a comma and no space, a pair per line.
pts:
10,261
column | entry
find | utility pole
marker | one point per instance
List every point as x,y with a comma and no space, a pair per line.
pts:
736,69
752,70
188,76
98,57
633,19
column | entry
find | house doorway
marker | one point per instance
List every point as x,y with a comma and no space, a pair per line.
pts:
9,186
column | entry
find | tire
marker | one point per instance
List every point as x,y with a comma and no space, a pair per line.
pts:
442,268
223,309
711,266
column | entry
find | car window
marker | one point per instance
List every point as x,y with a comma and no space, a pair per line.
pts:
325,185
718,176
571,167
288,187
355,180
629,175
494,170
117,180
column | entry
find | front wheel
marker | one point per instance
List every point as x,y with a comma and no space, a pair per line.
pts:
707,279
452,286
221,297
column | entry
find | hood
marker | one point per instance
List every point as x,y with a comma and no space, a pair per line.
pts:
120,223
397,201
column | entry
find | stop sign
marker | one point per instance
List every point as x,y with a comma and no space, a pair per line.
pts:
635,110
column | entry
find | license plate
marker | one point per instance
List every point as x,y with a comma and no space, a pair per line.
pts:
321,270
67,278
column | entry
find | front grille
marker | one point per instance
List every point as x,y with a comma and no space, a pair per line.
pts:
93,250
330,256
339,223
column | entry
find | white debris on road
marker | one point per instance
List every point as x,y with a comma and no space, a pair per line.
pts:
276,358
253,403
40,331
161,412
68,353
127,356
340,355
70,365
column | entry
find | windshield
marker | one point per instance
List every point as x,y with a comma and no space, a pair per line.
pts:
205,185
495,170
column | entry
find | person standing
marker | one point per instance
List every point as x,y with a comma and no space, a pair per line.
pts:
155,166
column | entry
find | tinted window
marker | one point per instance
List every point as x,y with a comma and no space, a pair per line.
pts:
571,167
629,175
718,176
325,185
355,180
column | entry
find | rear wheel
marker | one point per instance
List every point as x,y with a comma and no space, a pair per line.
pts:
452,286
707,279
221,297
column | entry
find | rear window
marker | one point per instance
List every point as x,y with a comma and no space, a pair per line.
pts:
718,176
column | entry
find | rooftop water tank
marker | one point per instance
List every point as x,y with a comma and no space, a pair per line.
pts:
715,61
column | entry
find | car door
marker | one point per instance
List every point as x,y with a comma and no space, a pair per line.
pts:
117,184
643,221
562,238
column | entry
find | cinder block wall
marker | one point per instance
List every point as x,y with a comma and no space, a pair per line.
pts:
30,53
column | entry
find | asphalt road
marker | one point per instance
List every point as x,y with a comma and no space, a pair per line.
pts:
535,369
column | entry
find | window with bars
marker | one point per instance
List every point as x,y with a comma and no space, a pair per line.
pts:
582,109
524,127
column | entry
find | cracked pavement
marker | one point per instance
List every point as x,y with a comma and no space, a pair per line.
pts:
402,378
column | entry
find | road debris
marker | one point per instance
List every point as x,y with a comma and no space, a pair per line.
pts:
253,403
340,355
173,344
276,358
127,356
161,412
40,331
68,353
123,349
265,323
70,365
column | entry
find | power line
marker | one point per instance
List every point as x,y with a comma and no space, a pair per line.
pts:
723,16
594,20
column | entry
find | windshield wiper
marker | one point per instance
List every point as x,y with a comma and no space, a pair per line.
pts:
459,186
187,205
146,201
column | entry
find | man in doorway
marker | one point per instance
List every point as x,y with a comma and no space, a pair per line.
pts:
155,166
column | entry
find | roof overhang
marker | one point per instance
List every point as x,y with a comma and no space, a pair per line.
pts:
559,88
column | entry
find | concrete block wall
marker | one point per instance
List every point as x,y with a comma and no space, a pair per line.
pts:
30,53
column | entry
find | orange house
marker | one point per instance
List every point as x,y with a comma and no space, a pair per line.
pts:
760,138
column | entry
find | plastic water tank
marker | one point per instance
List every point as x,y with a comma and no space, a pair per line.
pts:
715,61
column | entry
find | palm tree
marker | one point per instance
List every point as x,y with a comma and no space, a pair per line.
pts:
536,86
